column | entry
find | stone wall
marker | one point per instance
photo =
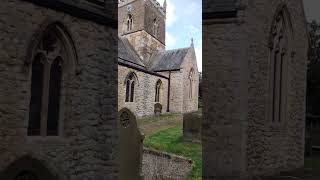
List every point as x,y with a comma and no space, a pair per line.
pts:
143,12
138,15
162,165
141,37
87,147
224,101
190,104
271,146
144,44
155,12
176,91
239,137
144,101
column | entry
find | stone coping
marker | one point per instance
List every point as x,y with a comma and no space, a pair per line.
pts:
170,156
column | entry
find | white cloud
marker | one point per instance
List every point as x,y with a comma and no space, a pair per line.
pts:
191,8
170,40
161,2
171,12
192,30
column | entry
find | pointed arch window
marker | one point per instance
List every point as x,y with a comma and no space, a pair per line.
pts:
158,91
129,22
52,55
36,96
191,83
130,87
279,46
155,27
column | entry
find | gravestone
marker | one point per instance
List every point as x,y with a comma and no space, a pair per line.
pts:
192,126
157,109
131,146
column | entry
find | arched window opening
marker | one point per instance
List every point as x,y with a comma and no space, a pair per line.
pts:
127,90
155,27
27,168
130,87
54,51
191,83
54,97
132,92
129,22
36,96
158,89
279,42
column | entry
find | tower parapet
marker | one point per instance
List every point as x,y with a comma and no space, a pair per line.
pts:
162,9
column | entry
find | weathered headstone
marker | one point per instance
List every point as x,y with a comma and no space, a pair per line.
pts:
192,126
131,146
157,109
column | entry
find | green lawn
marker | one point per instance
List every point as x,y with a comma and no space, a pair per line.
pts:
162,117
170,140
154,124
313,163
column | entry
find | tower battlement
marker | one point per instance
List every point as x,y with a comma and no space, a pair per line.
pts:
161,8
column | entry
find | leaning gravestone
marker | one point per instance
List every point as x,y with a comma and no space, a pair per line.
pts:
131,146
157,109
192,126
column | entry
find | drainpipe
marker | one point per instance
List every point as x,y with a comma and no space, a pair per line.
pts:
168,99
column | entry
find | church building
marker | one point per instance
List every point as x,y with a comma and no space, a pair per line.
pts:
152,79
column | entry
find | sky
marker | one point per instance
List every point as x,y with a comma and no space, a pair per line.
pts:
184,21
312,9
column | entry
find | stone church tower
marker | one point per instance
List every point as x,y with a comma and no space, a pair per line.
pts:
142,22
148,74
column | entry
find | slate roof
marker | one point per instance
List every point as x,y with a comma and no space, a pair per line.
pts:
127,54
219,8
168,60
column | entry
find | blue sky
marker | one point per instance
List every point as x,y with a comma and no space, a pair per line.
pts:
184,21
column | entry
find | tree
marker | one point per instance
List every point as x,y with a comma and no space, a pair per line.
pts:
313,79
314,39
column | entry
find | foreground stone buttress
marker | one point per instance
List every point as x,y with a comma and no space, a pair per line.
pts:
70,132
255,55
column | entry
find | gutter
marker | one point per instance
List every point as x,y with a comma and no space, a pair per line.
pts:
143,70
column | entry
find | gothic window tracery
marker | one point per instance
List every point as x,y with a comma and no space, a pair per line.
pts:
155,27
130,87
125,119
129,22
191,83
48,65
278,60
158,89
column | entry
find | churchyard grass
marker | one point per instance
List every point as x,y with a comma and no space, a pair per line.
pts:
171,140
154,124
313,163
